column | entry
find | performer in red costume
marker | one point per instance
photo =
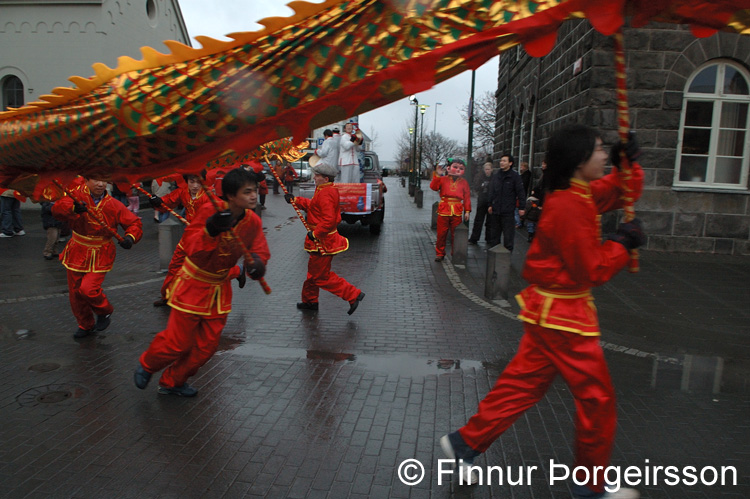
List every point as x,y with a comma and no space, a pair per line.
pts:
455,203
90,253
201,295
323,241
566,259
192,197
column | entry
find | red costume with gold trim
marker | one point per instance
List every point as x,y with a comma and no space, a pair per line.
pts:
455,198
566,259
323,217
182,197
201,297
90,253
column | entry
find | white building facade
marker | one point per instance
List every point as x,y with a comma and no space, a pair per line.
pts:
44,42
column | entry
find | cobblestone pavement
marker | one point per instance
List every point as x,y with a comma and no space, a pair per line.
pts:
329,405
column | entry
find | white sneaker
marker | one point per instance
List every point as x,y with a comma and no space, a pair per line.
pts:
623,493
3,234
466,475
21,233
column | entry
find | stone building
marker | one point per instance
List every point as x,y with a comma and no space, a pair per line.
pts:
688,101
44,42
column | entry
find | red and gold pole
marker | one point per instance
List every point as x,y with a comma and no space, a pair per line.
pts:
170,210
623,126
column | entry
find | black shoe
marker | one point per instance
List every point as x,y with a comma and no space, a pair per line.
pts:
102,322
141,377
531,237
182,391
242,278
82,333
307,306
355,303
439,258
472,242
49,257
161,302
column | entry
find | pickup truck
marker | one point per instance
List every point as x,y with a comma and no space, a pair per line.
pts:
363,202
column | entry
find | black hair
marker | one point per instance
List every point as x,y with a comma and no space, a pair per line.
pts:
327,133
234,180
566,150
187,176
510,158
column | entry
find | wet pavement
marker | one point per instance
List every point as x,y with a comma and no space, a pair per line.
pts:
329,405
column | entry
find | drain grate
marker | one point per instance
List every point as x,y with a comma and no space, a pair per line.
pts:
50,394
44,367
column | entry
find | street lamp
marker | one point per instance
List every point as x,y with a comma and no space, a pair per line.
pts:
434,127
412,179
422,109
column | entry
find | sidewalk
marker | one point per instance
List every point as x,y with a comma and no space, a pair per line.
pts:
329,405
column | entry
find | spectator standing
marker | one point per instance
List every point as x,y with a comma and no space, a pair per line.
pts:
10,214
506,192
52,227
329,150
561,328
526,180
160,189
349,156
534,204
482,188
134,201
288,176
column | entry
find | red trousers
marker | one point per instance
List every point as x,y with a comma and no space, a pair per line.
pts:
542,355
187,343
445,224
175,264
87,298
319,275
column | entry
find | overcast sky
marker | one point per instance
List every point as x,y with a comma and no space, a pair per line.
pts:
217,18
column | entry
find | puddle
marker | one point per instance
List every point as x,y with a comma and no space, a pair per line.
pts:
400,365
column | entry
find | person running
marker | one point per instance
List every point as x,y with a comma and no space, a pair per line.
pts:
324,241
201,295
191,196
90,253
561,329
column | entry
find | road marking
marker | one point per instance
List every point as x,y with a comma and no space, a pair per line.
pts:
455,280
65,293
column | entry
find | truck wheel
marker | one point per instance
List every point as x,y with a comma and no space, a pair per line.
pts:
375,229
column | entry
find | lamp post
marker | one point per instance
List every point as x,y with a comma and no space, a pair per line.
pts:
422,109
412,176
434,127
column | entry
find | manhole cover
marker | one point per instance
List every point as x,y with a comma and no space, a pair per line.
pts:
53,397
44,367
50,394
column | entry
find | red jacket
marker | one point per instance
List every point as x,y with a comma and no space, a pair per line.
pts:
202,286
455,196
567,257
91,248
182,197
323,217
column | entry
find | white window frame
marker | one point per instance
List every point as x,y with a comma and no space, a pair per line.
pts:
717,98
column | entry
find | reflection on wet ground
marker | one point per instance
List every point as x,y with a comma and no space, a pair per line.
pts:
684,372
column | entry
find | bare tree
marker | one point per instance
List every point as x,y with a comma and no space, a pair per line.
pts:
485,112
436,149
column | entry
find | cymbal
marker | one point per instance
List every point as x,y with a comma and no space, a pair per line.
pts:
313,160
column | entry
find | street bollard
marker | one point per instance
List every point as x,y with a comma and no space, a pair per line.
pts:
460,245
170,232
497,274
403,181
412,188
433,224
418,197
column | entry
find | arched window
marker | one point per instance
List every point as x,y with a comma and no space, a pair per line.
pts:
713,147
12,92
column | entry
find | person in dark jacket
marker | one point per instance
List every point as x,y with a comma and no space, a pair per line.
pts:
506,191
482,188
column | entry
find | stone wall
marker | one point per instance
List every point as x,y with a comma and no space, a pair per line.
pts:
660,58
